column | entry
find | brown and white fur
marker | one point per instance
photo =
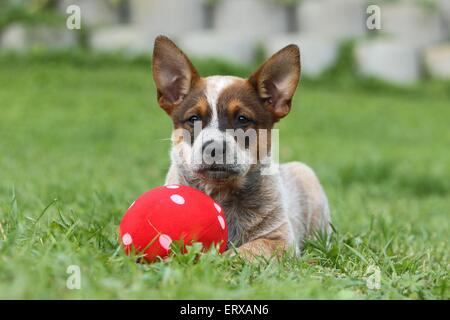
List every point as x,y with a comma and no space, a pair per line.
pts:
265,213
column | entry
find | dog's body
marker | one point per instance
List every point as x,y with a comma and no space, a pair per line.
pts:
269,211
265,212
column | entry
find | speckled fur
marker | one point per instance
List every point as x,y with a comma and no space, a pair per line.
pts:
285,207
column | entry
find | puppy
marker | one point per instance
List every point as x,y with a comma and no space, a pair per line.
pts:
267,211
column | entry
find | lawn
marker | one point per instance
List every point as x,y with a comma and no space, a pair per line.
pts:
81,138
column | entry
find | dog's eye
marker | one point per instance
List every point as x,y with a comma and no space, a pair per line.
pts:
194,118
243,120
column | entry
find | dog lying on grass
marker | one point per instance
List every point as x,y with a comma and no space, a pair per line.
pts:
266,210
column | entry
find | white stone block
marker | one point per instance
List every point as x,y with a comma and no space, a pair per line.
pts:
168,17
317,53
389,60
210,44
14,37
121,38
93,12
22,37
256,17
412,23
340,19
437,61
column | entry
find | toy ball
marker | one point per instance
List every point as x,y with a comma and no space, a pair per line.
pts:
172,213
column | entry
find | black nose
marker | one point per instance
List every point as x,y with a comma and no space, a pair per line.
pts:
211,146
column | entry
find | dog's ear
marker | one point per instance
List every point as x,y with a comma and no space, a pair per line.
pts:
173,73
277,79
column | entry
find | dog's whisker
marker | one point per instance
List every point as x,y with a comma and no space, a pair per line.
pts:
164,139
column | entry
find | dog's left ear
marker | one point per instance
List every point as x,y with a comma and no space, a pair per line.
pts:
173,73
277,79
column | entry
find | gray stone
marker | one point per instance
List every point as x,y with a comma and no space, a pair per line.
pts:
168,17
317,53
437,61
412,23
226,45
340,19
14,37
94,13
23,37
389,60
121,38
444,9
254,17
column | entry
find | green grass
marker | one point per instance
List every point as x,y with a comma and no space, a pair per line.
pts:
80,139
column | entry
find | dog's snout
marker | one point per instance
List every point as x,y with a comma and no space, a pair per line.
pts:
213,148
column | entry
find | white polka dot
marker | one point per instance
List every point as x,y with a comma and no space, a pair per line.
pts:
218,208
126,239
221,221
165,241
172,186
131,205
177,199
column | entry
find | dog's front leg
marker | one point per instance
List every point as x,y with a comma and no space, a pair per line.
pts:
272,243
262,247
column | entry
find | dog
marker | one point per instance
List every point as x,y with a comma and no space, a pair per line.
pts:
266,213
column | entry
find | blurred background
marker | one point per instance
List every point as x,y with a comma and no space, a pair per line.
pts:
82,136
397,41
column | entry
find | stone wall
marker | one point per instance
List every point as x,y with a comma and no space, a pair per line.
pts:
413,40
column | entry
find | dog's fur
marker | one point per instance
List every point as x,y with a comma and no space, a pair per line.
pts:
265,213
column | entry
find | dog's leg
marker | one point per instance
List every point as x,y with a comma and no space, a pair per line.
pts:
262,247
273,243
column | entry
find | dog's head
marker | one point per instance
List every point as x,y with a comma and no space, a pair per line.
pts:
222,123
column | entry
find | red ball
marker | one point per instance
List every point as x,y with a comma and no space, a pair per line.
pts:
171,213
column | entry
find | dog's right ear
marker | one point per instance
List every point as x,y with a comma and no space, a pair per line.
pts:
173,73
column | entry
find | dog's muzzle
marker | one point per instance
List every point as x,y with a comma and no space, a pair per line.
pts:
217,164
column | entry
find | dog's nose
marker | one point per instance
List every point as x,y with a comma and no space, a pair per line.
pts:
211,146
